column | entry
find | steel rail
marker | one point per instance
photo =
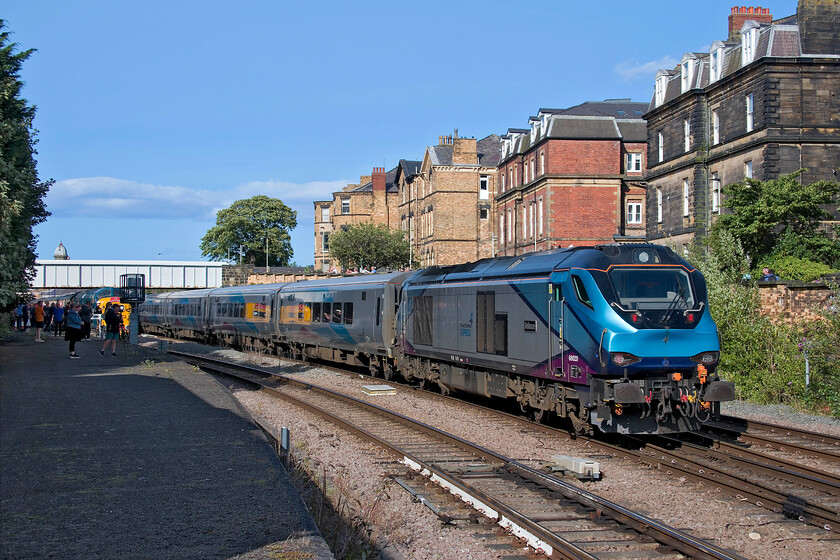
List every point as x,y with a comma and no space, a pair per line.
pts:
519,524
782,438
741,485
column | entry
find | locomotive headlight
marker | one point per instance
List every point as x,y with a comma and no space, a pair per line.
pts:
623,359
706,358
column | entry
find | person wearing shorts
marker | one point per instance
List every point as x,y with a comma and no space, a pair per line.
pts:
112,330
38,318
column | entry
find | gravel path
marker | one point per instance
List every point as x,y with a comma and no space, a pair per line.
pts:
359,475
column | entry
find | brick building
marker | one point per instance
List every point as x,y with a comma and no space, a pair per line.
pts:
446,202
575,177
762,103
373,199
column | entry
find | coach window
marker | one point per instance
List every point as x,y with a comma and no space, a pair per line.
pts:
580,291
336,312
327,312
348,313
378,311
316,311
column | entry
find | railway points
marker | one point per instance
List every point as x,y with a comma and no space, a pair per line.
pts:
136,457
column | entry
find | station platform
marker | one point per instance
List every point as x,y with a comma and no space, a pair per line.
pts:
136,456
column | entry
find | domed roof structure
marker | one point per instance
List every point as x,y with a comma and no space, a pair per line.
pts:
60,253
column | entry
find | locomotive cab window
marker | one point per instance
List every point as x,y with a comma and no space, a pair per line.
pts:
653,288
580,291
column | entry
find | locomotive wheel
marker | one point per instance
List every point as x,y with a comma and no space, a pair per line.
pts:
540,415
388,372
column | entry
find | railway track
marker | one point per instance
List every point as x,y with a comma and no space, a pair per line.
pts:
780,438
549,514
794,490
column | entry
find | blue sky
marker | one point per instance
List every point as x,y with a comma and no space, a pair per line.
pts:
152,115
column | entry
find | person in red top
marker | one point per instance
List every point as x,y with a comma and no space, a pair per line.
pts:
38,317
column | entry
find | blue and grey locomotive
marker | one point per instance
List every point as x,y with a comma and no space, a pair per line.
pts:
618,337
615,337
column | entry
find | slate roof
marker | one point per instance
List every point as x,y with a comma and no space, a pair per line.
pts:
633,130
489,150
611,119
573,127
618,108
410,167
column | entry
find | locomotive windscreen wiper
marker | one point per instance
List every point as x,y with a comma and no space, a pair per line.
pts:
666,318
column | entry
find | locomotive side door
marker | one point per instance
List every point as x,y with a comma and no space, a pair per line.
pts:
555,330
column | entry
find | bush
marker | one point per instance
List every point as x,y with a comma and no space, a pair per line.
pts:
793,268
766,361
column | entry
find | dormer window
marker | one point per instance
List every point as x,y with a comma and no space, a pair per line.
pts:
544,122
716,61
749,42
661,87
687,73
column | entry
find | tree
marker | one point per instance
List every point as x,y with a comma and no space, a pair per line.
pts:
370,245
248,225
781,216
21,193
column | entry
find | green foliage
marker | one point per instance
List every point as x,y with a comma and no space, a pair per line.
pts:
767,214
21,193
820,342
370,245
793,268
247,224
766,360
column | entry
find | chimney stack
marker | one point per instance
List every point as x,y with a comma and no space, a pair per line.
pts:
739,14
464,151
378,179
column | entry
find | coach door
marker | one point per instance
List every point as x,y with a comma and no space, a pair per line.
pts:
555,332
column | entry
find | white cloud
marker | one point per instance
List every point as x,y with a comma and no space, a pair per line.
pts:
632,70
110,197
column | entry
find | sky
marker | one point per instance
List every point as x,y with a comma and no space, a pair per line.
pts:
153,115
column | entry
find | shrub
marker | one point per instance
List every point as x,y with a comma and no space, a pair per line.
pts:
793,268
766,360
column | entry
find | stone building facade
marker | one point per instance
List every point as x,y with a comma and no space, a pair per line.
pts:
445,203
374,199
575,177
761,104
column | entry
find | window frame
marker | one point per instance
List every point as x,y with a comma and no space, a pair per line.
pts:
634,213
750,111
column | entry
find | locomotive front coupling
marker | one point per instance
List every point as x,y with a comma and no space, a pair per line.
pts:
692,395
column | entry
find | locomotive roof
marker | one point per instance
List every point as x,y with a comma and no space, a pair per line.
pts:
542,263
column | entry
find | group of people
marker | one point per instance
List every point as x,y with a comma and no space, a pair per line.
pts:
72,320
46,318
